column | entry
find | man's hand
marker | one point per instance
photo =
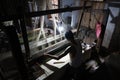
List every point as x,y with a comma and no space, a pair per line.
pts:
46,54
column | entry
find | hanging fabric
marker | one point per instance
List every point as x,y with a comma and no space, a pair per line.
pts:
98,29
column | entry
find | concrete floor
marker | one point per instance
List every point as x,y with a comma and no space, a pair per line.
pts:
109,69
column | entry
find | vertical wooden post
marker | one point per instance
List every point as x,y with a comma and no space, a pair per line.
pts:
25,38
17,52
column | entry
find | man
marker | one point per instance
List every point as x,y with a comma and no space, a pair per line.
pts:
75,52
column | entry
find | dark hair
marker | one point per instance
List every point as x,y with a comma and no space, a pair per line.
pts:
69,35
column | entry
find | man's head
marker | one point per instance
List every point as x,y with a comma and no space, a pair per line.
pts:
69,36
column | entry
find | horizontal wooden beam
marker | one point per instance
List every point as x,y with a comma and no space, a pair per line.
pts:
114,5
99,11
40,13
68,9
101,1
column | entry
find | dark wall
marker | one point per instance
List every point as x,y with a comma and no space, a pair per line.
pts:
112,33
115,41
10,7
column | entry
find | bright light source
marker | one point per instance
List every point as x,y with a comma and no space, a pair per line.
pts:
61,29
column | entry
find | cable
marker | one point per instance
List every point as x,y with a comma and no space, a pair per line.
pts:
95,17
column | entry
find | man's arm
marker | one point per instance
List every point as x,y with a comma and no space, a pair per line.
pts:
66,51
